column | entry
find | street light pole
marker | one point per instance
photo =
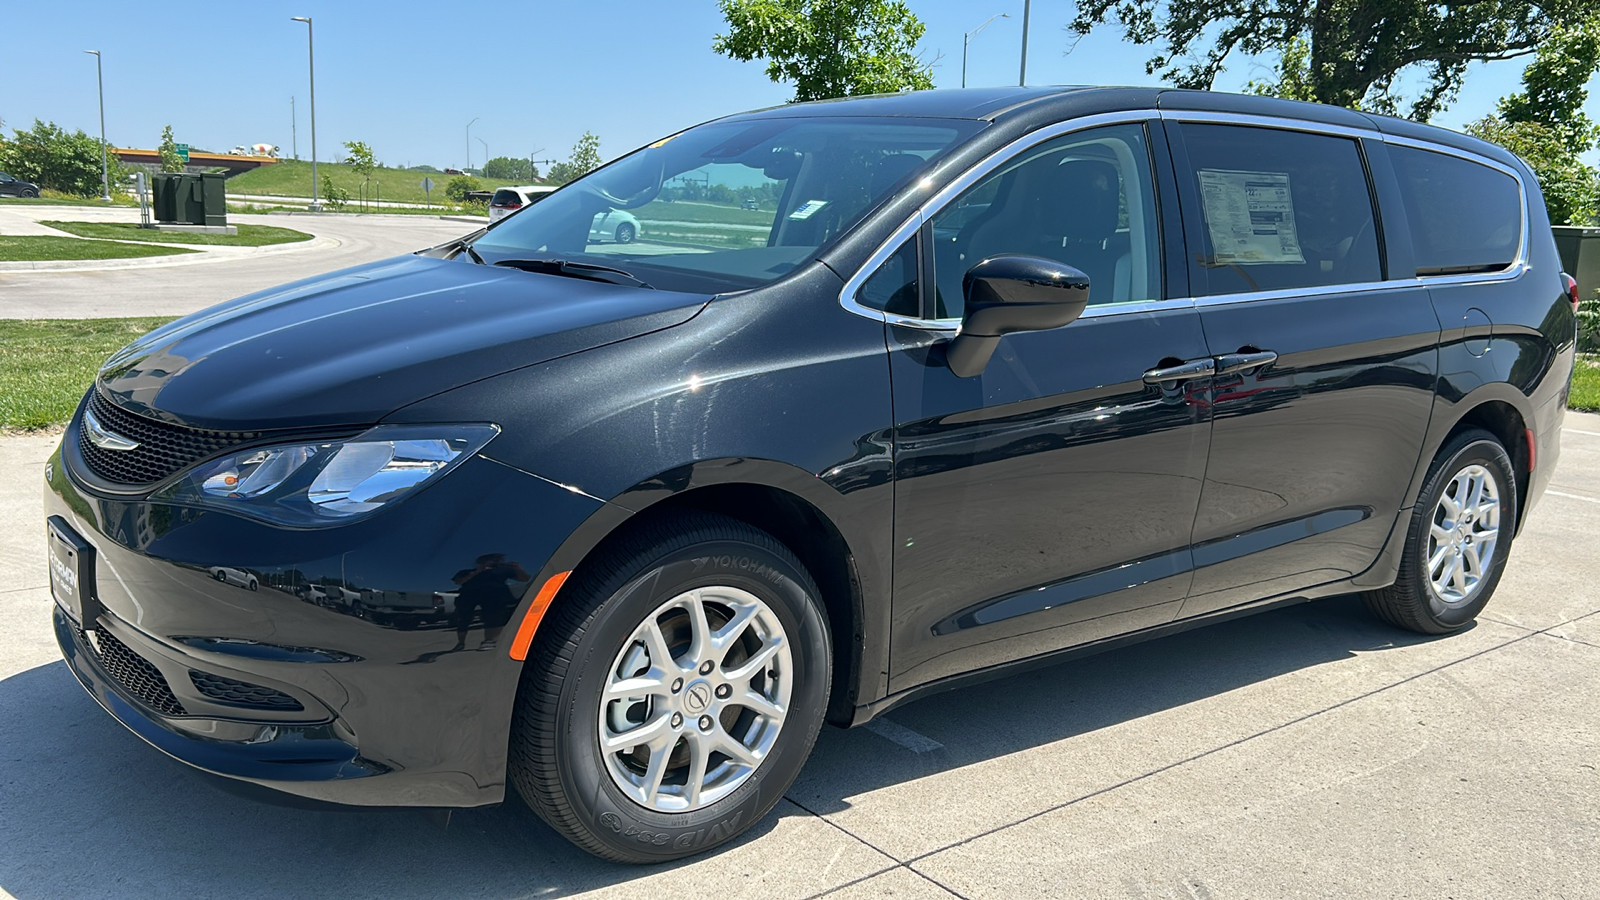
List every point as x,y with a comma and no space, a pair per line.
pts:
1027,7
294,128
969,36
485,150
311,60
469,144
105,172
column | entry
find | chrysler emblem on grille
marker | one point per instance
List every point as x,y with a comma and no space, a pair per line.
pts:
102,438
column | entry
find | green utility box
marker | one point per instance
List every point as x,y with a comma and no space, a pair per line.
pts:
166,187
1579,247
213,200
185,199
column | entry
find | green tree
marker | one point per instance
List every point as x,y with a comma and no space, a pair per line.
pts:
458,187
510,168
358,156
1355,50
1571,189
1556,83
585,159
333,196
56,159
171,161
828,48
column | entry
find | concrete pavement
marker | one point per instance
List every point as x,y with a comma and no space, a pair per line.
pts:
1308,752
178,285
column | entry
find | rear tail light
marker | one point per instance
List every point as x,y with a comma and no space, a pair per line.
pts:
1570,284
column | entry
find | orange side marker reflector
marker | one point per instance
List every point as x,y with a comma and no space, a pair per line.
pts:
530,622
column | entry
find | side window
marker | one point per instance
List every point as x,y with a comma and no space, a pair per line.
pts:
1465,217
892,288
1085,199
1278,210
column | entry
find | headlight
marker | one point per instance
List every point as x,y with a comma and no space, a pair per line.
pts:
328,482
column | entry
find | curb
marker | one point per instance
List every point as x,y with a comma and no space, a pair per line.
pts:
200,256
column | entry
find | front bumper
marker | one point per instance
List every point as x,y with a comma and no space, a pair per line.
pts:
302,683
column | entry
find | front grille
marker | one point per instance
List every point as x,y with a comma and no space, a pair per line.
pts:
133,672
164,449
242,693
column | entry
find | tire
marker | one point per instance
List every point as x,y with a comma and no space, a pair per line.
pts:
30,193
254,585
589,795
1422,599
626,233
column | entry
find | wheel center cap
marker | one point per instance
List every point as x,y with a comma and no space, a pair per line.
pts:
697,697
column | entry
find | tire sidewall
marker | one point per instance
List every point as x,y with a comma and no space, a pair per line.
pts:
625,233
611,816
1476,450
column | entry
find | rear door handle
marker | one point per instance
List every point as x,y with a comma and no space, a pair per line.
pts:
1229,363
1194,368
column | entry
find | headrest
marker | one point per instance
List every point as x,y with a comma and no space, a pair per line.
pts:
1091,189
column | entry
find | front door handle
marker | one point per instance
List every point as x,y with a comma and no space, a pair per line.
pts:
1194,368
1229,363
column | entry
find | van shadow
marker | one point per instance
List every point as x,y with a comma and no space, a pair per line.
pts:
87,809
996,718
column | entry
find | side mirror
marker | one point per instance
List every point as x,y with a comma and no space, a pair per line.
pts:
1007,294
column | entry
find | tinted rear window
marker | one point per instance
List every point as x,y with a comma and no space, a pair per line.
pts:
1465,217
504,197
1279,210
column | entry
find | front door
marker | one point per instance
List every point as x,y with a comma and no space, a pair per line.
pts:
1048,501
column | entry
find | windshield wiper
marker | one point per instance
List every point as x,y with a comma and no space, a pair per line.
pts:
574,270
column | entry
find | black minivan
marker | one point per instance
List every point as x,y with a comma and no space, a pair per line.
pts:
992,377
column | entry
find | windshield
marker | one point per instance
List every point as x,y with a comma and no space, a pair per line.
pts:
727,205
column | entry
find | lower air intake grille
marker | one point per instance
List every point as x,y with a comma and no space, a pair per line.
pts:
242,693
134,672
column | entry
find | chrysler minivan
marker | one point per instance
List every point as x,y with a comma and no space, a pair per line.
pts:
1006,375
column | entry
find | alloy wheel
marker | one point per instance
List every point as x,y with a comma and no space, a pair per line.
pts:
1463,535
696,699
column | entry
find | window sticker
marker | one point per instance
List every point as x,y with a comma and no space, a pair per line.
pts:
807,209
1250,217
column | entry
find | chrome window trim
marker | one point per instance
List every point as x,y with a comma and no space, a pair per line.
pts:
847,296
1001,156
1518,263
950,191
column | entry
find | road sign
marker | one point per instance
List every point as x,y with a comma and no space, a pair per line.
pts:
183,153
427,185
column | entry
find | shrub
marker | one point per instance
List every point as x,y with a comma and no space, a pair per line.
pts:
1589,323
458,187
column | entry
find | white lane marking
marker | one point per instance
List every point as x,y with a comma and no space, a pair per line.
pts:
1574,496
902,735
1579,431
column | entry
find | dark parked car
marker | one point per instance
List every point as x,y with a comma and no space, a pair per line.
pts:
16,187
1013,374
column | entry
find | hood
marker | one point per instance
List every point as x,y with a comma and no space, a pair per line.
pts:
349,347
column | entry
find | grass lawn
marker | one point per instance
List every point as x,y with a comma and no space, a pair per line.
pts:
47,364
32,247
67,200
1586,383
711,213
248,236
292,178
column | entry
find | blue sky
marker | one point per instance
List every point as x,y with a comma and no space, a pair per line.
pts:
407,77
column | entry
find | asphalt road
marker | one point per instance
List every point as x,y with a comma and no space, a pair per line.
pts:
183,285
1308,752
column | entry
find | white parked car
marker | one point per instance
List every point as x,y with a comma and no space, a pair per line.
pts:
234,576
508,200
614,225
